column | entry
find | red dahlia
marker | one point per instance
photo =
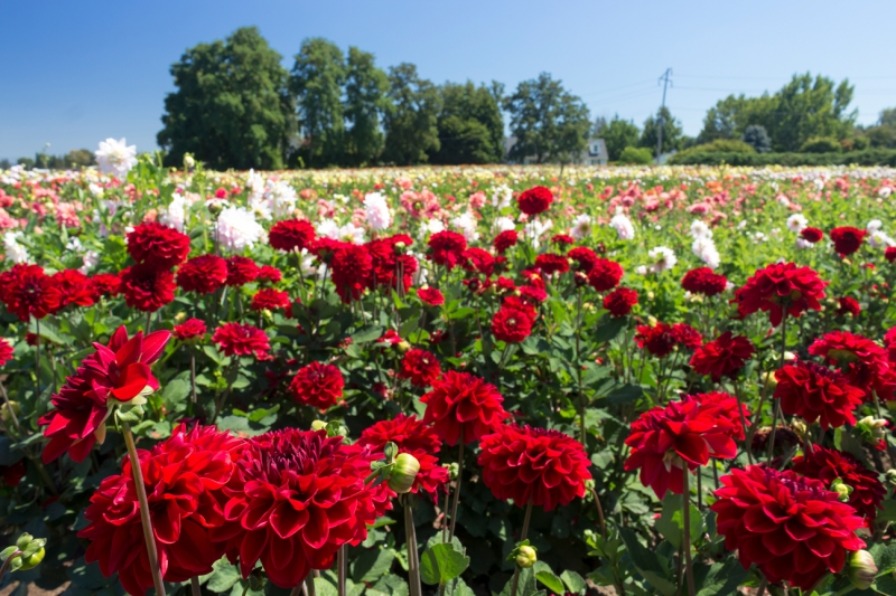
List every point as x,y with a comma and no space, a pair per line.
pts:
318,385
390,262
239,339
722,357
267,273
535,200
431,296
814,392
604,274
812,235
477,260
105,284
270,299
6,351
74,287
864,362
27,291
446,248
620,301
791,527
848,306
512,325
146,288
351,269
292,234
203,274
545,468
463,407
157,246
119,370
847,239
551,263
505,240
420,367
584,257
297,497
662,338
190,329
704,280
781,289
184,477
241,270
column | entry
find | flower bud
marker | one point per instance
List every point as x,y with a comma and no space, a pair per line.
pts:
404,472
33,560
526,556
318,425
861,569
842,489
404,346
9,410
769,379
215,206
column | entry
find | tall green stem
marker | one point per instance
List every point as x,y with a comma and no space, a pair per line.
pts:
525,532
771,442
411,541
456,497
686,533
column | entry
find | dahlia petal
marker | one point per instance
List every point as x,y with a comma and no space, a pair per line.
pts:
798,531
317,530
286,519
821,546
755,521
134,380
250,550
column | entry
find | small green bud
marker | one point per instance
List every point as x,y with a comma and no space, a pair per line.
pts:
404,472
33,560
24,540
842,489
319,425
526,556
861,569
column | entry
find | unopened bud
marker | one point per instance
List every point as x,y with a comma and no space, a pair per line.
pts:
842,489
404,472
215,206
453,469
526,556
769,379
861,569
318,425
404,346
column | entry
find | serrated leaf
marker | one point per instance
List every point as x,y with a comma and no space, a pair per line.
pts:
223,577
441,563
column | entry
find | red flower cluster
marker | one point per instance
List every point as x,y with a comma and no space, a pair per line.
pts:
204,274
551,263
414,437
292,235
351,267
620,301
662,338
6,351
318,385
119,370
184,477
705,281
446,248
420,367
239,339
157,247
74,288
725,356
814,392
147,289
27,291
604,274
505,240
391,265
545,468
683,433
512,324
864,362
535,200
847,240
463,407
270,299
431,296
780,289
791,527
812,235
190,329
296,498
242,270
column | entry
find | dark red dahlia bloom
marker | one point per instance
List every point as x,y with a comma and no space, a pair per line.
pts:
620,301
584,257
463,407
190,329
391,264
6,351
270,299
829,465
317,385
477,260
704,280
814,392
241,270
146,288
351,269
683,433
105,284
791,527
27,291
268,273
512,325
420,367
431,296
604,275
847,240
414,437
11,475
562,239
239,339
686,336
204,274
890,254
298,496
781,289
545,468
848,306
446,248
184,477
74,287
812,235
662,338
119,370
535,200
551,263
505,240
725,356
157,247
292,234
865,363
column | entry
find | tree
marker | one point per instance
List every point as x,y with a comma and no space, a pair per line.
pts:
365,102
617,135
471,128
232,107
756,136
317,78
671,131
549,123
411,120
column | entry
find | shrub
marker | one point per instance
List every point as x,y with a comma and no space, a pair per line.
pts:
820,145
757,137
636,155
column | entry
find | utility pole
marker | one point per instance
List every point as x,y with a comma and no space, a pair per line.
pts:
666,81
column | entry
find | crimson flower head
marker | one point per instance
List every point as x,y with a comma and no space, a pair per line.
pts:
551,263
829,465
781,289
791,527
620,301
584,258
814,392
412,436
704,280
725,356
190,329
27,291
446,248
204,274
270,299
292,235
512,325
683,433
847,240
505,240
535,200
463,407
239,339
119,370
420,367
297,497
865,363
184,477
431,296
662,338
604,274
812,235
157,247
242,270
6,351
318,385
146,288
545,468
74,288
351,267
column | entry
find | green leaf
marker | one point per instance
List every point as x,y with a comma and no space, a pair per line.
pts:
723,578
655,570
548,578
368,334
175,390
223,577
608,328
372,564
625,394
391,585
575,583
441,563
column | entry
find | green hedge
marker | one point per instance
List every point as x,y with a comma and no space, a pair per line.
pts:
867,157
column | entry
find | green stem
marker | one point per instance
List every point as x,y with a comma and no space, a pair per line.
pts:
686,533
743,420
411,540
146,521
195,590
340,567
516,572
456,497
581,394
775,404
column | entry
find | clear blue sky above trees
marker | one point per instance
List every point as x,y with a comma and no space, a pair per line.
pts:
78,72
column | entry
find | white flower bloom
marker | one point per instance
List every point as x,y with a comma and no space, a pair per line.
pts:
433,226
641,270
758,237
255,185
705,250
280,198
503,224
466,223
116,157
96,190
351,233
536,229
175,215
623,226
376,210
880,239
803,244
237,228
699,229
74,245
90,260
14,251
502,196
797,222
581,227
874,225
327,228
662,259
885,192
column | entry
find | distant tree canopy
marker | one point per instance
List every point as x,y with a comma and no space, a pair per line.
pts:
232,107
318,78
411,118
471,128
617,135
672,134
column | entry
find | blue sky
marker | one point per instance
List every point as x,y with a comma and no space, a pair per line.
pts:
78,72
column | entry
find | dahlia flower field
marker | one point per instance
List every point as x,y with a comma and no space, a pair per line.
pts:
501,380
